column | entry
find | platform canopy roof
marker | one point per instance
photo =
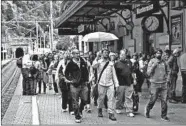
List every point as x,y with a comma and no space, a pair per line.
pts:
87,12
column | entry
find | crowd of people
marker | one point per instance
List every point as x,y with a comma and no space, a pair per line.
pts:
109,80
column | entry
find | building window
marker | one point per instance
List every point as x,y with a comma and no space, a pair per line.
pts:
178,4
111,43
120,44
112,25
82,45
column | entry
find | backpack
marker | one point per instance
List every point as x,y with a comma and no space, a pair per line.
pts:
19,62
33,69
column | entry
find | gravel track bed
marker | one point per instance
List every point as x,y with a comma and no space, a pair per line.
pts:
7,96
7,72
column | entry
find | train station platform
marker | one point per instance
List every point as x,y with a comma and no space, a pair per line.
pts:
45,109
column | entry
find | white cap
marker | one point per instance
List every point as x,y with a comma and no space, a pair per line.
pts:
112,54
176,50
166,47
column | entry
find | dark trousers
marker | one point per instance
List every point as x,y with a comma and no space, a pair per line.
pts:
156,90
78,92
66,99
55,84
31,85
172,87
105,101
89,93
44,86
82,104
183,74
24,86
66,95
25,73
140,81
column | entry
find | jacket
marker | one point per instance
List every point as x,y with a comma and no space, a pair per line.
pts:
124,72
183,62
108,77
77,74
158,73
173,65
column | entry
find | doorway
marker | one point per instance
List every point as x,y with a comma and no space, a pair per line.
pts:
147,43
120,44
19,52
91,46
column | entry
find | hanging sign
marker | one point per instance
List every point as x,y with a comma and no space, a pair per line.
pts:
147,9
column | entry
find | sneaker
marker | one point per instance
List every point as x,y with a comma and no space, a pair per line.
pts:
64,110
72,113
118,111
78,121
173,101
87,108
130,114
112,117
100,112
165,119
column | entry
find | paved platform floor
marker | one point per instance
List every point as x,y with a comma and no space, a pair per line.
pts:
49,111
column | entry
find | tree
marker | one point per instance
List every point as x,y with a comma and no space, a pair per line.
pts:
64,43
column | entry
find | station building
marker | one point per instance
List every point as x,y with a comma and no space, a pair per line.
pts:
141,26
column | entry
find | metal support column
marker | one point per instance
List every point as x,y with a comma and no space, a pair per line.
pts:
44,40
51,24
169,25
36,45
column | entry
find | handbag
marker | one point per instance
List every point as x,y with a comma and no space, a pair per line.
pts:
95,88
135,98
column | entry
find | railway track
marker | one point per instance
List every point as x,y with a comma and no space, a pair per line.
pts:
9,73
10,80
7,66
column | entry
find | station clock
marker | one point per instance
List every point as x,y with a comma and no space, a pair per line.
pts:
153,23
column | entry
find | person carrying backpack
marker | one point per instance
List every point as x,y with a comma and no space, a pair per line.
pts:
157,70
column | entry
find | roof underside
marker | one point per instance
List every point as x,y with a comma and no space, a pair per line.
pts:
88,12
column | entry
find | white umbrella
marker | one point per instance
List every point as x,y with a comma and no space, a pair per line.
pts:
99,37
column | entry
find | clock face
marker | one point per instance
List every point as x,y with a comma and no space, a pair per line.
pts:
151,23
126,13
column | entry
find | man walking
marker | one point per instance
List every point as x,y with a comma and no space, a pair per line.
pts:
157,70
64,86
77,74
124,73
107,81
